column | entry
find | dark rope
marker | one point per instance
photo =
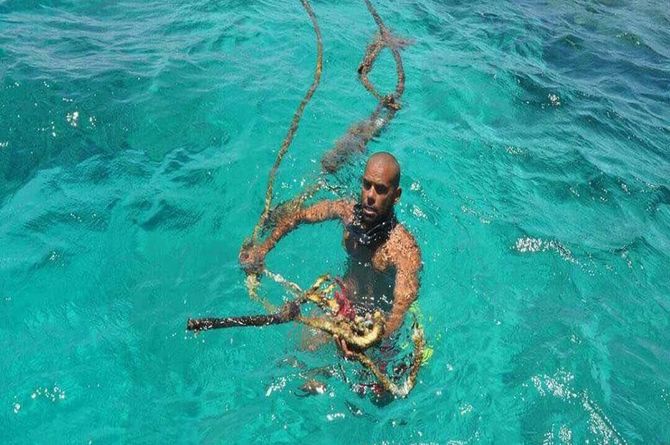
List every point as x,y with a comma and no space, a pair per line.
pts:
295,122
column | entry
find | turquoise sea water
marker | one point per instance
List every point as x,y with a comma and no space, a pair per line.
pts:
135,143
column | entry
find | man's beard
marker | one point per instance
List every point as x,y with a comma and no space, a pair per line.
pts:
371,233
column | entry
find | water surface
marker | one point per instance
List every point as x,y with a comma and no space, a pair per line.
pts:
135,142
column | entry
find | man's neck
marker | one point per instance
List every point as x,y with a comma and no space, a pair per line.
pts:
374,233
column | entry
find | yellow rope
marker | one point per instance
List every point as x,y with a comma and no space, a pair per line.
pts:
356,333
294,122
317,292
386,38
410,381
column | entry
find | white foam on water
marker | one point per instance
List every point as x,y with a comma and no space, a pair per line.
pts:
52,394
72,118
279,385
534,245
334,416
560,386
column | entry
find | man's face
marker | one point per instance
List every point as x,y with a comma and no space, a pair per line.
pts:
378,194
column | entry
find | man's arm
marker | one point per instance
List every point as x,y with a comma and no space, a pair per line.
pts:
321,211
407,260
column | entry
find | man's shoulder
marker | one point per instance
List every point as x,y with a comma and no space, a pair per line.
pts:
403,234
344,207
402,242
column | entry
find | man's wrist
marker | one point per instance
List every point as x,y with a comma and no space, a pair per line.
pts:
391,324
264,248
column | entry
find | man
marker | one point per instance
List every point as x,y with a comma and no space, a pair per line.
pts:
384,265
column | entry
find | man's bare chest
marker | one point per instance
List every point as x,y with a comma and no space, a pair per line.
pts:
377,259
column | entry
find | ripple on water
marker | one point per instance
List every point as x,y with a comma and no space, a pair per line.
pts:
135,141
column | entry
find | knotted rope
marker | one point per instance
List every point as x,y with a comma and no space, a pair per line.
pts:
360,333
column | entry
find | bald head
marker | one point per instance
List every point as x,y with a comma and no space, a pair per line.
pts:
387,162
380,188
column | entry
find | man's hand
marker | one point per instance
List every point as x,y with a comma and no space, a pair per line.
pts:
344,348
252,259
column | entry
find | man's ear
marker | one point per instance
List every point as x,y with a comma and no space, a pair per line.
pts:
398,192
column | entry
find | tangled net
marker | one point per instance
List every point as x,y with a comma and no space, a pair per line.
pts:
360,333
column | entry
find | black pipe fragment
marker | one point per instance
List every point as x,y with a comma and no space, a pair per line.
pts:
287,313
